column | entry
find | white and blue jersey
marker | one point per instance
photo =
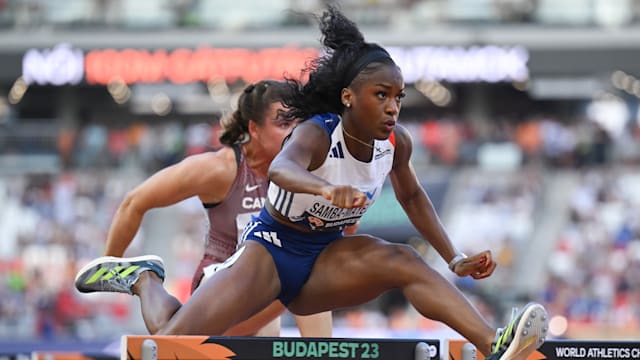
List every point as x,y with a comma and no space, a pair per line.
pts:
339,168
295,252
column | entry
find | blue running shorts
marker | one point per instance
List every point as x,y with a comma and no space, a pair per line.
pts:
294,252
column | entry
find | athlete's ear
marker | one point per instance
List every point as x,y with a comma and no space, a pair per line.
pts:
346,97
253,129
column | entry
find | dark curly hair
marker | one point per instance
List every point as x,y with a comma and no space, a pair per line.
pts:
338,68
253,104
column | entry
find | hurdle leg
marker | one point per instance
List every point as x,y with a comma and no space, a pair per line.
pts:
149,350
469,352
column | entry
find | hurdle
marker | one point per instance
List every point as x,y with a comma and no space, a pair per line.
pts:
151,347
140,347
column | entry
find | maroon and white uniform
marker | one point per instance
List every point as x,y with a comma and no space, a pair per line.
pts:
228,217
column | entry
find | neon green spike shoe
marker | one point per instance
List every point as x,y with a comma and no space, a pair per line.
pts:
524,334
114,274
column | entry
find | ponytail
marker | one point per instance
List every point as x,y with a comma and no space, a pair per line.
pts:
253,104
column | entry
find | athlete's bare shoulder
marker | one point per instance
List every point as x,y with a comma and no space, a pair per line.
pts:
403,145
215,170
403,137
309,144
222,159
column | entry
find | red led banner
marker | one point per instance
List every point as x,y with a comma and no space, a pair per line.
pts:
186,65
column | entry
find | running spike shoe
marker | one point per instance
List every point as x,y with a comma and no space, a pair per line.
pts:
114,274
524,334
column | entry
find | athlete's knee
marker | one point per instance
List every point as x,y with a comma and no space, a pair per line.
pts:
402,255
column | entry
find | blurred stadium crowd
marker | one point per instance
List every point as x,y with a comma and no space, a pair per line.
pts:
551,188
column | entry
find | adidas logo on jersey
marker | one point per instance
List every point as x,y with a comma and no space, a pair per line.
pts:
336,151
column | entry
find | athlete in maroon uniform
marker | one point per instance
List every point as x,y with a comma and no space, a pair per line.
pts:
227,218
231,183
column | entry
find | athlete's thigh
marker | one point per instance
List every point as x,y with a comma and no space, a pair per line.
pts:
230,296
353,270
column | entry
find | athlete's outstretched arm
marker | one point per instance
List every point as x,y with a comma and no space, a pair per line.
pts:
416,203
208,176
